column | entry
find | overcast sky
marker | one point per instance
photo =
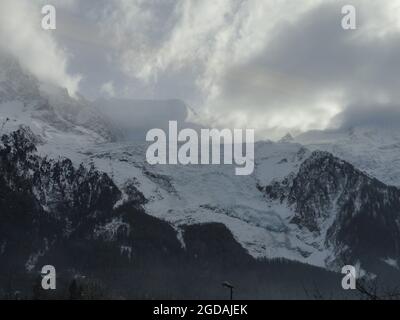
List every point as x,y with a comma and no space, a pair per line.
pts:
272,65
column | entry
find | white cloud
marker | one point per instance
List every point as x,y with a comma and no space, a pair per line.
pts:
108,89
210,36
22,36
245,74
204,40
273,65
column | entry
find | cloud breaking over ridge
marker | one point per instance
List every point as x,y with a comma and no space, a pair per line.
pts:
37,50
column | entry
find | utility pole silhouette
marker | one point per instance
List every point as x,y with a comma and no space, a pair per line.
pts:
230,287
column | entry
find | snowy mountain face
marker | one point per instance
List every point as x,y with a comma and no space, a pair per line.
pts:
373,149
81,191
52,212
49,111
355,216
300,205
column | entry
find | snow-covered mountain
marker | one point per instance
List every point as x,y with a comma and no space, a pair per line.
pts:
301,205
48,110
354,216
73,217
83,182
374,149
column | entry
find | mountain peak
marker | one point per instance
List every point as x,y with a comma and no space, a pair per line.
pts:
288,138
15,82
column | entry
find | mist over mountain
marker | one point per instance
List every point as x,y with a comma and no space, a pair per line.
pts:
132,119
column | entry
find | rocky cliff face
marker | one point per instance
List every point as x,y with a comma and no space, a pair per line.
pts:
54,213
357,215
46,199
